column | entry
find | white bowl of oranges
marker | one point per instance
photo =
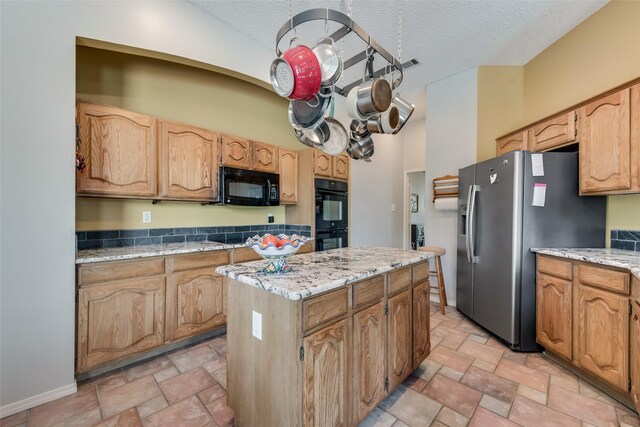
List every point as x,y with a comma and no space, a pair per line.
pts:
276,249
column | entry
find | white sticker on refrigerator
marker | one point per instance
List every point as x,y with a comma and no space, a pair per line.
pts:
537,165
539,194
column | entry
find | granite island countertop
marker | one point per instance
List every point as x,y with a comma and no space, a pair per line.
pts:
318,272
620,258
85,256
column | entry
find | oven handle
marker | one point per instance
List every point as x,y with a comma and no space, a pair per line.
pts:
335,193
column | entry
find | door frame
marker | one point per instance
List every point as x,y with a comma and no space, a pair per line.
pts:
406,212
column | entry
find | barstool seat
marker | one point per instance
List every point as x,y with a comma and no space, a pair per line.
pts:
438,273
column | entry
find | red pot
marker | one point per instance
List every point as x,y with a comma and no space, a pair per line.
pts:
307,74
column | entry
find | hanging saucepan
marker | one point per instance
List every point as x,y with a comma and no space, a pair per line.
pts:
305,114
329,59
404,109
360,143
373,96
386,122
338,138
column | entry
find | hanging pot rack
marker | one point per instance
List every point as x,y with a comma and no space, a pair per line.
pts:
348,26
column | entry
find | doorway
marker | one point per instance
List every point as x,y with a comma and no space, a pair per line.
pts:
414,208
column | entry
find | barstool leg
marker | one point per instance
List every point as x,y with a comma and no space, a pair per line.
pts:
441,289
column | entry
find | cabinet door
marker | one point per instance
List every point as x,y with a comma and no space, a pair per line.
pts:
604,335
119,320
288,166
195,302
368,363
605,144
189,162
120,148
326,376
516,141
236,152
341,167
553,133
635,353
322,164
265,157
399,355
554,314
421,331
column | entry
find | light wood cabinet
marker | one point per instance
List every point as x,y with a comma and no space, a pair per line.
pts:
341,168
265,157
604,335
635,354
118,320
236,152
399,352
554,314
195,302
421,318
369,333
288,168
326,376
188,162
553,133
322,164
120,149
513,142
605,144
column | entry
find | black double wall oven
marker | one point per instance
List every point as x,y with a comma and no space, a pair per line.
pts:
332,214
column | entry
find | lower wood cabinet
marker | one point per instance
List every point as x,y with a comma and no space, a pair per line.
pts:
400,360
421,321
326,376
553,314
369,332
603,335
118,320
635,353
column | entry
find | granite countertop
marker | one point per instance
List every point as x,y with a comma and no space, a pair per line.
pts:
318,272
620,258
85,256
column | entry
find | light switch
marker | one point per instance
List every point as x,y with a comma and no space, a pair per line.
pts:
146,217
393,207
257,325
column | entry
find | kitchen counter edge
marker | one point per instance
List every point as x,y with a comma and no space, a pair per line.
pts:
620,258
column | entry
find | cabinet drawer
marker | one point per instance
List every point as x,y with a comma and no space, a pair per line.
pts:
118,270
399,280
325,307
205,259
617,281
420,272
368,292
555,267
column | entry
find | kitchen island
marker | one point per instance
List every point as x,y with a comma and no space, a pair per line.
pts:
325,343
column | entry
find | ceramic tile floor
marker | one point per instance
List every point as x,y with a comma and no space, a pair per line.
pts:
469,379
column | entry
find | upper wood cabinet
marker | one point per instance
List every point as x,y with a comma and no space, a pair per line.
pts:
635,353
605,144
341,167
513,142
553,133
288,168
236,152
322,164
326,377
120,149
188,162
265,157
554,313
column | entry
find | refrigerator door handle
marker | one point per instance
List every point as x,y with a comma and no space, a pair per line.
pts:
471,219
467,222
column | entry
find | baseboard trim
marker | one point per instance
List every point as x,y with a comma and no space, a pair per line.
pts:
38,399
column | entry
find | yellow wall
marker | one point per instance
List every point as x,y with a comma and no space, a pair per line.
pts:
500,105
184,94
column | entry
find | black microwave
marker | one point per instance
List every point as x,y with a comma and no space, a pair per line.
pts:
249,188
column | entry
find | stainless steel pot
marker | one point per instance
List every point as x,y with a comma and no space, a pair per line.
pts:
386,122
330,61
373,96
405,110
338,139
314,136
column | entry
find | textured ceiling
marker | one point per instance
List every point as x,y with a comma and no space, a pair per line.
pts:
446,36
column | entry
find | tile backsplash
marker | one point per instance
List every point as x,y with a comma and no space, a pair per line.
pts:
153,236
625,239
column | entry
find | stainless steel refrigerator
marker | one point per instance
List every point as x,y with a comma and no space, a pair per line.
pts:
506,206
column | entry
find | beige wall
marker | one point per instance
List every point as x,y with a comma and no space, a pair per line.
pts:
500,105
184,94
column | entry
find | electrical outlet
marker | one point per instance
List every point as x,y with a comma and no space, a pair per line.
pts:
256,325
393,207
146,217
270,217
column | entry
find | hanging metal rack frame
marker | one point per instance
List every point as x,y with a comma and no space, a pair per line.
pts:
348,26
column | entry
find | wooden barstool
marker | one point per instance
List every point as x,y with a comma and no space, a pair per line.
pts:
437,273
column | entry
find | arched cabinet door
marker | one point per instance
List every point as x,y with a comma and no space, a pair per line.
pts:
554,314
235,152
399,352
288,166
